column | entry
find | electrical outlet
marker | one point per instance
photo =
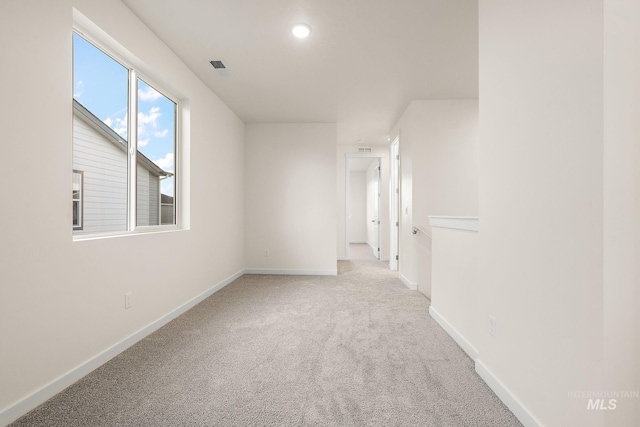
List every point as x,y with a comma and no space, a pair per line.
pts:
266,254
127,300
492,326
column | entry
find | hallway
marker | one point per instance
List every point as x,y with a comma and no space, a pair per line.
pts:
361,252
358,348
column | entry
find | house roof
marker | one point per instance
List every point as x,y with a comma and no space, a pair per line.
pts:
110,135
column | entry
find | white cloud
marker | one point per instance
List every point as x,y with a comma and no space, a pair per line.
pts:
147,126
165,163
151,118
149,95
77,93
118,124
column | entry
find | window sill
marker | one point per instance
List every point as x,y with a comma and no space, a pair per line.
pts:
140,231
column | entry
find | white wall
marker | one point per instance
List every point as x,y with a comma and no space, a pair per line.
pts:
541,202
438,162
341,170
358,207
622,205
455,284
62,302
290,180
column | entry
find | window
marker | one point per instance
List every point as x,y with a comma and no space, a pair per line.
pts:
128,178
156,140
77,200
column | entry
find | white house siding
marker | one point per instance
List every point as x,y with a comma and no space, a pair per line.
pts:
154,200
166,213
148,197
104,165
105,180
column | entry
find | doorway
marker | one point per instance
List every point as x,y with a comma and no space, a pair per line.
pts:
363,204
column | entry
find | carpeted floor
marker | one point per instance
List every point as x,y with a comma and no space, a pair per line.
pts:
357,349
361,252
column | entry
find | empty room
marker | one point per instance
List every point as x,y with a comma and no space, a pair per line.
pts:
300,212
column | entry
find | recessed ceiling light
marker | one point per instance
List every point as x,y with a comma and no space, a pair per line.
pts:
301,31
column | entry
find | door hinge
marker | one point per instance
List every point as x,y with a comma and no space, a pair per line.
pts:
397,156
397,224
378,249
397,190
397,258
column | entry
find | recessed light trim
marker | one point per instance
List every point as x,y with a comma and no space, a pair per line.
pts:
301,31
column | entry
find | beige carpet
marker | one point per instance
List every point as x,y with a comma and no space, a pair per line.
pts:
361,252
357,349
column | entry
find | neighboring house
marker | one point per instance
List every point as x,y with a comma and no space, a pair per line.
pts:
100,179
166,209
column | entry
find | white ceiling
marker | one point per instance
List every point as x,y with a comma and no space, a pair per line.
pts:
364,61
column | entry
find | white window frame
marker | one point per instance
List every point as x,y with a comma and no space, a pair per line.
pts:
132,163
132,136
80,215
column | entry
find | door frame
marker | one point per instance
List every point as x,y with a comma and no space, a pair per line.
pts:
347,204
395,195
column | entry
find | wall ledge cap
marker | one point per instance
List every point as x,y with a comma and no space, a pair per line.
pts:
467,223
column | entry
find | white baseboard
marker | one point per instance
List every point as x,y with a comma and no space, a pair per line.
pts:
343,258
288,272
503,393
13,412
507,397
407,282
453,333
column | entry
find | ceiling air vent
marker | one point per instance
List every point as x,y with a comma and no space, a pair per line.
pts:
364,149
217,64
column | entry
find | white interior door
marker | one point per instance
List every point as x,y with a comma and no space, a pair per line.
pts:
373,206
368,169
376,208
394,208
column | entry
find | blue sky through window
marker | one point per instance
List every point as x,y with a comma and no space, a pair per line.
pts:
101,85
156,130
